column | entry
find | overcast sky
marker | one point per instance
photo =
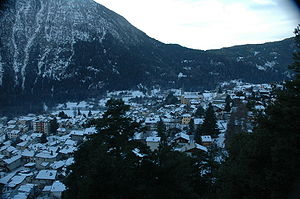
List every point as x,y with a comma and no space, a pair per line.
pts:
209,24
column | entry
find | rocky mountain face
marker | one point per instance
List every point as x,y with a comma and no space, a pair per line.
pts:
55,50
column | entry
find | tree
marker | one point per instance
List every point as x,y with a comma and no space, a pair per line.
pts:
209,126
43,138
105,165
200,111
227,103
191,127
90,113
161,130
171,99
266,164
53,126
111,164
63,115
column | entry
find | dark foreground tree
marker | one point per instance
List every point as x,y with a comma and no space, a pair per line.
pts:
113,165
266,164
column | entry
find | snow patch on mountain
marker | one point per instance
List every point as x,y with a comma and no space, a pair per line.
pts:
268,64
256,53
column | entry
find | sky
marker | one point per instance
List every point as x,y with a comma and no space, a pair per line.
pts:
210,24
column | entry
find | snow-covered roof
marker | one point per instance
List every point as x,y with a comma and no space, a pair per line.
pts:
16,180
151,120
27,153
77,132
69,161
182,135
22,144
21,195
46,175
203,148
47,188
12,159
46,155
198,121
57,164
29,164
26,188
70,142
153,139
68,149
193,146
206,138
58,186
15,131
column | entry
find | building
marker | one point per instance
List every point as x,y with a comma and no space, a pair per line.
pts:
41,126
186,119
206,140
13,134
46,177
153,142
188,97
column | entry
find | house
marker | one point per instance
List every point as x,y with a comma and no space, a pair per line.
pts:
151,123
193,147
41,126
153,142
67,151
12,163
56,189
198,122
27,156
186,118
27,189
206,140
45,156
46,177
13,134
187,97
16,180
77,135
181,139
22,145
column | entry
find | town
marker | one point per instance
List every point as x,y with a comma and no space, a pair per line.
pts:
36,150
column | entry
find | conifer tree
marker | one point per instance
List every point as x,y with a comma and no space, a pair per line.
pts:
90,113
161,130
105,165
53,126
227,103
43,138
191,127
200,111
209,126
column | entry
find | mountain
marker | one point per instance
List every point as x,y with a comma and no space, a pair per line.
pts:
56,50
271,56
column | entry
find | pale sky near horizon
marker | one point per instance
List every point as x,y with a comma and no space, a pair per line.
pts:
210,24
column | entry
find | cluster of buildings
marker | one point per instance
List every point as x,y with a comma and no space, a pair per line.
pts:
31,167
